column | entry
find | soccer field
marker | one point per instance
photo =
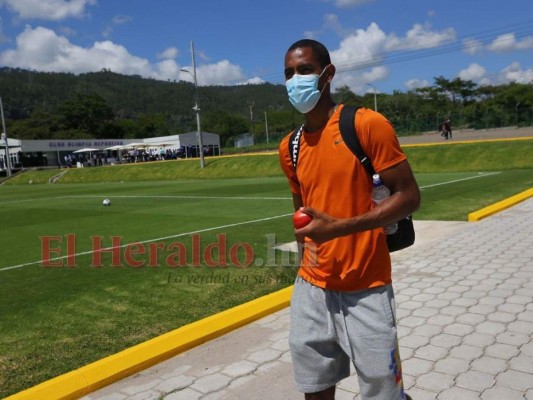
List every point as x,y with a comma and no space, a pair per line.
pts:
170,253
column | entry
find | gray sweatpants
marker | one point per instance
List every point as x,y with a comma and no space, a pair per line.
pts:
329,328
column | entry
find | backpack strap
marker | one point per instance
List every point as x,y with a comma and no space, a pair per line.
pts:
294,145
349,135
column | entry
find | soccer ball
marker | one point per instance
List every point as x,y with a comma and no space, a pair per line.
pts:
106,202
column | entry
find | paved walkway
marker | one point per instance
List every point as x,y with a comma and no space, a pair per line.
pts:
464,298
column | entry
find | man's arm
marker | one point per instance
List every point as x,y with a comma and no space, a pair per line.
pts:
405,199
300,239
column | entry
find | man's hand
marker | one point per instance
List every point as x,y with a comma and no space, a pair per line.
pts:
322,228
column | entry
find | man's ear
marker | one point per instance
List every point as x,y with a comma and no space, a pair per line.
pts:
331,73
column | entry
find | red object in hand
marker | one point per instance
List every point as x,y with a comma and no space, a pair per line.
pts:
301,219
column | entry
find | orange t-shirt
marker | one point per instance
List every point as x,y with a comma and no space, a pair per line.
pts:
330,178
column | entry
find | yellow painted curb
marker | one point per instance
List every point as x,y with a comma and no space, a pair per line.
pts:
500,206
98,374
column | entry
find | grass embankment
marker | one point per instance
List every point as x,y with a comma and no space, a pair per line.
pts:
489,156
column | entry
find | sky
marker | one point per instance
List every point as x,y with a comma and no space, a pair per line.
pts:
376,45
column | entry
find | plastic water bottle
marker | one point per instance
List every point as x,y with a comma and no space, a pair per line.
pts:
379,193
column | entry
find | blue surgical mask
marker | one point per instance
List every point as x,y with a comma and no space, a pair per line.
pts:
303,91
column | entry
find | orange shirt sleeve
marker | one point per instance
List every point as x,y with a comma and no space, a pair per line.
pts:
378,140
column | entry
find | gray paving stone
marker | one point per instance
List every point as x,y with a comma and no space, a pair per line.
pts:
492,300
427,330
515,380
458,329
414,341
526,316
527,348
471,318
512,338
412,322
416,366
454,311
490,365
503,351
262,356
452,366
475,380
431,353
132,389
425,312
501,393
457,393
500,316
482,309
491,328
175,383
434,381
441,320
239,368
420,394
522,363
211,383
445,340
519,299
148,395
464,302
185,394
466,352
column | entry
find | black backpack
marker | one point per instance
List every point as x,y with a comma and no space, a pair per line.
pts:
405,235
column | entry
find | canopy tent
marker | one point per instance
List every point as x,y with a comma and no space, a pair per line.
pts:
85,150
116,147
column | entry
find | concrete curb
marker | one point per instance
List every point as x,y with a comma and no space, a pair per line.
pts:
103,372
500,206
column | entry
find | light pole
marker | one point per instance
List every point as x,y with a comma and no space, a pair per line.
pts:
4,139
196,108
375,98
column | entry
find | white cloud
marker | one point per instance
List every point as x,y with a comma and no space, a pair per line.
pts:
54,10
420,37
474,72
412,84
514,73
351,3
121,19
169,53
42,49
223,72
503,43
472,46
2,37
362,47
507,42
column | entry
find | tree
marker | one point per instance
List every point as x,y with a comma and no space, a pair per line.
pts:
87,113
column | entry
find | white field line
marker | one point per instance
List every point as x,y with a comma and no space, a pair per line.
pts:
147,196
152,240
481,175
188,197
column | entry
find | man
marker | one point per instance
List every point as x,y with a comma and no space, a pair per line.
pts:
447,129
342,307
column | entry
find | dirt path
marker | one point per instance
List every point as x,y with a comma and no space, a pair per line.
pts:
469,134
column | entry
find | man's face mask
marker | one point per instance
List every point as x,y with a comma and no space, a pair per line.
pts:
303,91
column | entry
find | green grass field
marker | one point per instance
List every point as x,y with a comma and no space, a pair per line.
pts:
54,319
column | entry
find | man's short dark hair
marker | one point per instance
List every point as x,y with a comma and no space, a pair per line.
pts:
319,50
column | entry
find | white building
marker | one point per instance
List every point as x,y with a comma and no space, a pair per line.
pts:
33,153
